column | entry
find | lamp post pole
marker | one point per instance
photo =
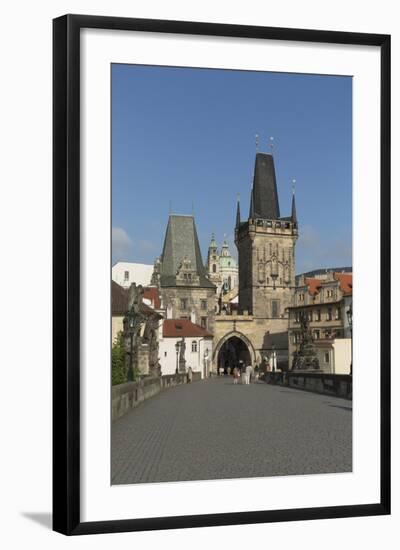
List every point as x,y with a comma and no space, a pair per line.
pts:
350,321
177,346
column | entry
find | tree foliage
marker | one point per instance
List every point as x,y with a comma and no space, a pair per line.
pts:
118,362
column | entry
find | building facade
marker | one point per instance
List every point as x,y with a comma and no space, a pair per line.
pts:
327,303
183,344
126,273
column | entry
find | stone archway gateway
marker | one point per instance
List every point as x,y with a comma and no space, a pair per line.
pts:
233,348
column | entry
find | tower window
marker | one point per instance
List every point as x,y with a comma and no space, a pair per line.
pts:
203,304
204,322
183,303
126,276
274,308
214,268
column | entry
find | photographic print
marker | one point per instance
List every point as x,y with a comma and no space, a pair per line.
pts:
215,185
231,277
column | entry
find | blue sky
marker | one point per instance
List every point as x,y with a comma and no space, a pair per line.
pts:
183,139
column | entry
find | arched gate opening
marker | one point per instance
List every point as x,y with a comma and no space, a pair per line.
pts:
234,350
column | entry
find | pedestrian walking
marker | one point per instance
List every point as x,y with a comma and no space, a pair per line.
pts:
190,375
236,375
248,373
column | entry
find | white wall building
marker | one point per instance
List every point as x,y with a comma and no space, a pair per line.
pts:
334,355
198,346
126,273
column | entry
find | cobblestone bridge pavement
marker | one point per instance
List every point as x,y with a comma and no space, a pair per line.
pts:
214,429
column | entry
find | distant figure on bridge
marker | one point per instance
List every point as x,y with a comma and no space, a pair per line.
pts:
249,372
236,375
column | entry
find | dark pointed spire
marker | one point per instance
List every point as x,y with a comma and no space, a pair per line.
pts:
251,212
294,216
238,212
264,199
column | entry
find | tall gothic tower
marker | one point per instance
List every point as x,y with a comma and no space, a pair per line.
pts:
266,244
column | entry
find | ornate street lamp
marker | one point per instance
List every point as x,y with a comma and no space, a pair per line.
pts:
177,347
349,314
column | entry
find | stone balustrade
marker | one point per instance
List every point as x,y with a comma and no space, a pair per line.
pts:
129,395
339,385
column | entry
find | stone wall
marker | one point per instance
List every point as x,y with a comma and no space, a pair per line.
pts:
339,385
171,296
129,395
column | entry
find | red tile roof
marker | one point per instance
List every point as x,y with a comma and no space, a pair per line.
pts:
346,282
313,285
120,301
151,293
176,328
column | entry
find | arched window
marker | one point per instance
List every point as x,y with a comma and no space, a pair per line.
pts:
194,346
214,268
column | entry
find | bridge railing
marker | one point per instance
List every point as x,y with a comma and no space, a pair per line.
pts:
339,385
129,395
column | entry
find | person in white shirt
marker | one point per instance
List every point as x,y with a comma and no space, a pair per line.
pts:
249,372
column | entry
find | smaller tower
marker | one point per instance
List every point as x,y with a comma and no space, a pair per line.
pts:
213,262
228,269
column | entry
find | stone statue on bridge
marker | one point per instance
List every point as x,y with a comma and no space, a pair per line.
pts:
305,358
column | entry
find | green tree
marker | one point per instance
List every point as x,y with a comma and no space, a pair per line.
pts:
118,362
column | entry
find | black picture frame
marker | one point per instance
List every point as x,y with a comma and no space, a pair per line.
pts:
66,273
